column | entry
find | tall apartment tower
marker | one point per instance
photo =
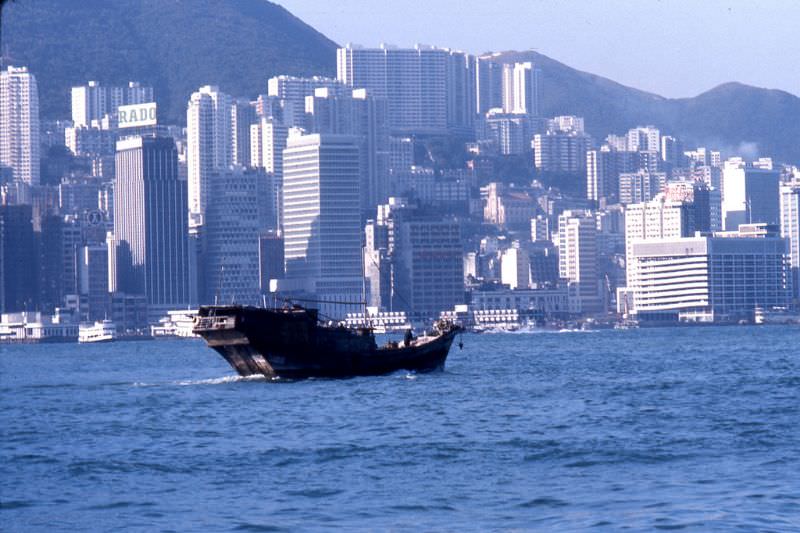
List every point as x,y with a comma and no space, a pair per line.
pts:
488,84
150,224
521,88
321,229
790,228
243,116
429,90
267,142
208,142
577,256
19,124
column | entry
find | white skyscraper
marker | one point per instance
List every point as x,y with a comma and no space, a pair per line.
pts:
321,224
790,228
526,89
267,142
208,142
577,256
19,124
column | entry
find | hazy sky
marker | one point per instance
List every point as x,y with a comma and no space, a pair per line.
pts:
671,47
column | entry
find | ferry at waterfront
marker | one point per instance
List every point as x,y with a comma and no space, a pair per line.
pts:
100,331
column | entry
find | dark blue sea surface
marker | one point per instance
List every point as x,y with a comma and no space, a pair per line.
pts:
693,428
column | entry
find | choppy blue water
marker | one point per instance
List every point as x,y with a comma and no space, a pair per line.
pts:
646,429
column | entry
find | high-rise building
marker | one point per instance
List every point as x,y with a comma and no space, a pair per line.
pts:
603,168
92,270
292,92
515,267
657,219
150,224
267,143
521,88
208,142
414,260
488,84
360,115
561,152
19,124
710,278
641,186
243,116
577,256
672,151
231,233
644,139
790,228
321,228
92,102
749,194
429,90
18,287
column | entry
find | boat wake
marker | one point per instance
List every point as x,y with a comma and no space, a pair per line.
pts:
210,381
534,331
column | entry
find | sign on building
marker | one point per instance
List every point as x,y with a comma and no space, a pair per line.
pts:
135,115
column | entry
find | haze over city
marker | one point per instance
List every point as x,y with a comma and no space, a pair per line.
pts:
671,48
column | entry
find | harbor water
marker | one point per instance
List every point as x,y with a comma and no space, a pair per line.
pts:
694,428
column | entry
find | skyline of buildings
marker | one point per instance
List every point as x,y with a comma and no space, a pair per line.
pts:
419,179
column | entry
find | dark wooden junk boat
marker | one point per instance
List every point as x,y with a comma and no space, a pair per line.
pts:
292,343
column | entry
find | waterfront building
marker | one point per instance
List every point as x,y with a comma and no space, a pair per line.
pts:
790,228
577,256
19,124
657,219
321,228
231,234
92,270
515,267
18,277
723,277
152,256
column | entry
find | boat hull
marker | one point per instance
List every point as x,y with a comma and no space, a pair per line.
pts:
290,344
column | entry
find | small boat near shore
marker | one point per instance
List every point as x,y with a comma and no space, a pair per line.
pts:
100,331
292,343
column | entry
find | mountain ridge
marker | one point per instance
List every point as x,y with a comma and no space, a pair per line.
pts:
180,45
